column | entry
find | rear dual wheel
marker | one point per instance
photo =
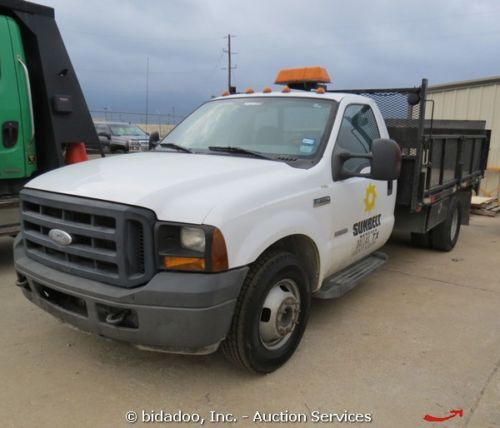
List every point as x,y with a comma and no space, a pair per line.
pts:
444,236
270,315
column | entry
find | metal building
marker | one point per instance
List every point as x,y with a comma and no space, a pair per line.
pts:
474,100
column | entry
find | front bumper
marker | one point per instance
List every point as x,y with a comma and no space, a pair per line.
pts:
187,313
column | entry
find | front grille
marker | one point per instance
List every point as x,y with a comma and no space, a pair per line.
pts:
110,242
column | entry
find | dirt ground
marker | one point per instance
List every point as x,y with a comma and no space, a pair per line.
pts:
419,337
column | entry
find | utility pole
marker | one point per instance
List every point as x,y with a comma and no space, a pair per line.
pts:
147,91
230,66
159,121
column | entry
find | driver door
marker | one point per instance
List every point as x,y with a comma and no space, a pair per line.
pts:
362,209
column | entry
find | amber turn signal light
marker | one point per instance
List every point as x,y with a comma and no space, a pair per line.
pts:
184,263
219,259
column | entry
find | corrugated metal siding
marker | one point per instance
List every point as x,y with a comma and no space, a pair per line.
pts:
474,103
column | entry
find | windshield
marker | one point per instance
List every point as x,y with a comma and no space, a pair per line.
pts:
127,130
274,126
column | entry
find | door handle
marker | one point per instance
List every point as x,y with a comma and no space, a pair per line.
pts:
30,99
10,133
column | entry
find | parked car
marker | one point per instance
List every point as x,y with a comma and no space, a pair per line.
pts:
122,137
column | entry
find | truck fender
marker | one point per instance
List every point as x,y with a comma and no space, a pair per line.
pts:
246,245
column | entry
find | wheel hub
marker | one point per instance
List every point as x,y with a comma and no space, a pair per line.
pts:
287,316
280,314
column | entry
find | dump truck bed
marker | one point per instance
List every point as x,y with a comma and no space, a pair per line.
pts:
440,157
453,155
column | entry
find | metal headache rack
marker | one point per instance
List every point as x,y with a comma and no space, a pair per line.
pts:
439,156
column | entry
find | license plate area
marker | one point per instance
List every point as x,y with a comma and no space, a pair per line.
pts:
62,300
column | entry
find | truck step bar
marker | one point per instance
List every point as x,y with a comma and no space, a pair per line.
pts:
345,280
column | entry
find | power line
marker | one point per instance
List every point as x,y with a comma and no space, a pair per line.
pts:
137,36
380,24
119,71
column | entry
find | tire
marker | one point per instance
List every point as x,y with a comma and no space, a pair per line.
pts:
421,240
276,288
445,235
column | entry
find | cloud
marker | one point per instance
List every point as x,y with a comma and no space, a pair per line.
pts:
362,43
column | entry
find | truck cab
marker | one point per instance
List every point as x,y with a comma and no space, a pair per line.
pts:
220,237
17,148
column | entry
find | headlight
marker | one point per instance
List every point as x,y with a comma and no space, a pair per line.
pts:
193,238
190,248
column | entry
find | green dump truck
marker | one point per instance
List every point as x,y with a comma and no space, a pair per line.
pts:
42,107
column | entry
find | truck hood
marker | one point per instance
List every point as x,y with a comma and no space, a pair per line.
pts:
176,186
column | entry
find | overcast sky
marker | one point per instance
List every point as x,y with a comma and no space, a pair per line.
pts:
363,43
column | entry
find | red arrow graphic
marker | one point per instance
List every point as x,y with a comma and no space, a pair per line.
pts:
453,413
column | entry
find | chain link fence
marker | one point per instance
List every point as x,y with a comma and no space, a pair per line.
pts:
152,122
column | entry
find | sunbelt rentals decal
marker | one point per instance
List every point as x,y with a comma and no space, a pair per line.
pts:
367,229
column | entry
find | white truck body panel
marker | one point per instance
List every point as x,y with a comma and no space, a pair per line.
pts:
254,202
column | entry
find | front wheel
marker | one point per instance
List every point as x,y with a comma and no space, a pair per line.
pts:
271,313
445,235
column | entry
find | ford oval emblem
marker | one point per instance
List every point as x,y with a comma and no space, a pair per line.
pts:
60,237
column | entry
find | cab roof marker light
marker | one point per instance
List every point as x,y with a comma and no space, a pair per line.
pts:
225,93
267,90
286,90
249,91
320,90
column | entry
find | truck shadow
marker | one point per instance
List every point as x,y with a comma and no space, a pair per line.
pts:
6,256
143,366
146,367
153,367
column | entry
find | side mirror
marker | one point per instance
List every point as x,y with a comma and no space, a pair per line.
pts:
413,98
385,162
104,134
154,137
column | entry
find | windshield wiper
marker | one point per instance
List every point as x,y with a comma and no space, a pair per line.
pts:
176,147
239,150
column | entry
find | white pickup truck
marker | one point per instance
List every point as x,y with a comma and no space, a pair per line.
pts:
250,207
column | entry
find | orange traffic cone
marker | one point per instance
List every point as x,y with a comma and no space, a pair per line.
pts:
75,152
